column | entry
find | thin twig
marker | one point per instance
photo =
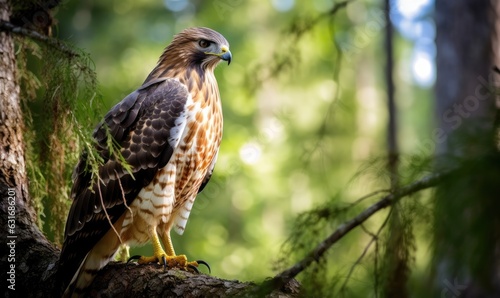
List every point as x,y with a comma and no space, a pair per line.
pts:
295,33
377,192
365,197
375,270
362,226
287,275
374,237
123,196
105,211
299,31
52,42
322,131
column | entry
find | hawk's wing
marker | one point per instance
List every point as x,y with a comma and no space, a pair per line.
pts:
146,125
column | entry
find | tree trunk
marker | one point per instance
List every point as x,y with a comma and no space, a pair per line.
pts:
29,260
465,31
12,167
28,253
467,226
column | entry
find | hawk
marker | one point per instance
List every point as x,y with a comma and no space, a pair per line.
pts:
168,131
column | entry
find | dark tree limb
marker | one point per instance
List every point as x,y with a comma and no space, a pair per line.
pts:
314,256
132,280
32,34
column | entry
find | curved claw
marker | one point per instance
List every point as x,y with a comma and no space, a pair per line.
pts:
164,262
193,267
204,263
136,257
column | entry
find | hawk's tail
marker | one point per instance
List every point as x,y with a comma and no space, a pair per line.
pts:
96,259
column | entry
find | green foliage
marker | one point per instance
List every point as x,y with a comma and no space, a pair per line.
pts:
308,229
59,100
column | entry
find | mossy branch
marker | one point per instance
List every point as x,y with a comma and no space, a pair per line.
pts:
52,42
315,255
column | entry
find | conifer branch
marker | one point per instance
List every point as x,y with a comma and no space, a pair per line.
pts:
315,255
52,42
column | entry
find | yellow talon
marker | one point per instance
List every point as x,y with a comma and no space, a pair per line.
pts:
164,259
152,259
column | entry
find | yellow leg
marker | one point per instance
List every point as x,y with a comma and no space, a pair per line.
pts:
180,259
158,252
167,243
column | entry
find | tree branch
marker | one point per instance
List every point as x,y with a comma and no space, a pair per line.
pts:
287,275
132,280
52,42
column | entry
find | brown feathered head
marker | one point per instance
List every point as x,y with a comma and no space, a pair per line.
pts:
202,46
198,47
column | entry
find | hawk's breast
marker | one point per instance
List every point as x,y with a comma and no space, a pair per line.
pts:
167,201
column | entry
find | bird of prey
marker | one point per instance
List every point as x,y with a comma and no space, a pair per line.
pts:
168,131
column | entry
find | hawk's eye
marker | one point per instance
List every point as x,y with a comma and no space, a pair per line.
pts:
204,43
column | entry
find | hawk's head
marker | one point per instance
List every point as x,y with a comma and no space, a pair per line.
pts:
199,47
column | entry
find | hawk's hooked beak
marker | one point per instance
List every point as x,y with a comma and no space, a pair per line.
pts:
225,54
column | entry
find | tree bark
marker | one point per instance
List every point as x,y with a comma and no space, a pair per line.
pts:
29,261
465,34
464,60
12,167
27,251
151,281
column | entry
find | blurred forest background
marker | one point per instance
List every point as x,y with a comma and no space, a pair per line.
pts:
305,128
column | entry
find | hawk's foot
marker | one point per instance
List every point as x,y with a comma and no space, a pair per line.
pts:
179,261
